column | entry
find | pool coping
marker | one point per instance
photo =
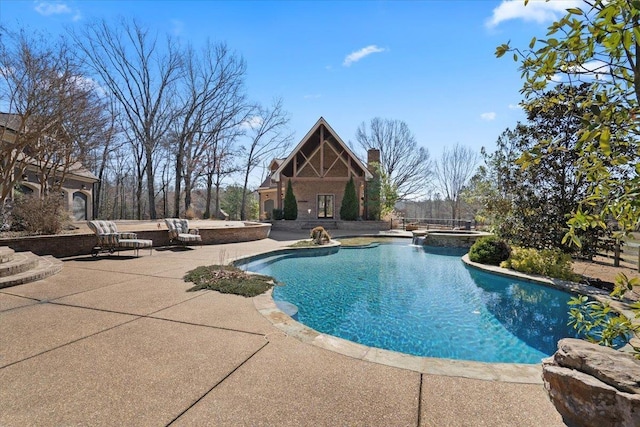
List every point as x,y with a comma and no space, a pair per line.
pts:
504,372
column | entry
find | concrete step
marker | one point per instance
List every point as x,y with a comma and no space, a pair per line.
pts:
21,262
47,266
6,254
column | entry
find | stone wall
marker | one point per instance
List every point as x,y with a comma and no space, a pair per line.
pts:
452,240
329,224
66,245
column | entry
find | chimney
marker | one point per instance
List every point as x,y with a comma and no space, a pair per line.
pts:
373,155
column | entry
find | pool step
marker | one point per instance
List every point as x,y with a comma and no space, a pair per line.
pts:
25,267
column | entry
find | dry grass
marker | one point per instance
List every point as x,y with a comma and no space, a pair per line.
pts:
228,279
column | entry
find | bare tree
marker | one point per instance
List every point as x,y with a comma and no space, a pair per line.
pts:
453,171
220,165
108,139
53,113
406,166
267,135
141,76
213,101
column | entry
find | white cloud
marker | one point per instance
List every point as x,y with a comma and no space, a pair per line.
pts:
539,11
359,54
515,107
47,8
597,70
251,122
488,116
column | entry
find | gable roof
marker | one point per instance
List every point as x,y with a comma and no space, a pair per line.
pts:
321,122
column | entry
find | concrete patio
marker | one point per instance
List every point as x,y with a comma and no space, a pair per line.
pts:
119,341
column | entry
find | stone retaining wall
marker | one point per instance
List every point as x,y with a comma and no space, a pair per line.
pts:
66,245
450,240
331,225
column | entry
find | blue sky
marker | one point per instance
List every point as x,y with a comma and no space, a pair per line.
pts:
430,63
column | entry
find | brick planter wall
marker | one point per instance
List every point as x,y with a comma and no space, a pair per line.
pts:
66,245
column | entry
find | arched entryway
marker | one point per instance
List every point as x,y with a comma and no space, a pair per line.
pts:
268,208
79,206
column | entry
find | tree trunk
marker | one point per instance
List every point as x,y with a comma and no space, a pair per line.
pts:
217,202
207,209
150,186
244,195
138,199
187,192
178,180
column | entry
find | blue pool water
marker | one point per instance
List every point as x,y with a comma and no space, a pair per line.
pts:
421,301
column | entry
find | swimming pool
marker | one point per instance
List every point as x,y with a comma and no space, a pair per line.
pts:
420,301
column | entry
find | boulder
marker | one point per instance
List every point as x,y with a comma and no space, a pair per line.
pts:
592,385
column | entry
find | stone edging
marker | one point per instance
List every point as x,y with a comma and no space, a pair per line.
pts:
506,372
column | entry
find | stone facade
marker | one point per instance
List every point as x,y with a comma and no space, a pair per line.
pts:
76,191
76,188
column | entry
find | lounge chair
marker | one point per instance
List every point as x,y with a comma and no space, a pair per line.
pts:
111,240
179,230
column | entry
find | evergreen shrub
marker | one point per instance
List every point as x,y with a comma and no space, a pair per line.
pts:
489,250
349,208
290,204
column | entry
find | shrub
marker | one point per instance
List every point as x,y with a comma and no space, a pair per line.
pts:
546,262
290,204
320,236
489,250
277,214
349,208
190,214
34,215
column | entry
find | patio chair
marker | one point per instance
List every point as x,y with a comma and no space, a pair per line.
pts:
179,230
111,240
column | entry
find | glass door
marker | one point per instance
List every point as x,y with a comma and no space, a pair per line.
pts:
325,205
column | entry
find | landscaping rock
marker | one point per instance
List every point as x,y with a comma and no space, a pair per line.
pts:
592,385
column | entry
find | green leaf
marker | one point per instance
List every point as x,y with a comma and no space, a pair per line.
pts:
575,11
502,49
605,137
532,43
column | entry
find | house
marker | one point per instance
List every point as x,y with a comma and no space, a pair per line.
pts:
319,168
76,188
